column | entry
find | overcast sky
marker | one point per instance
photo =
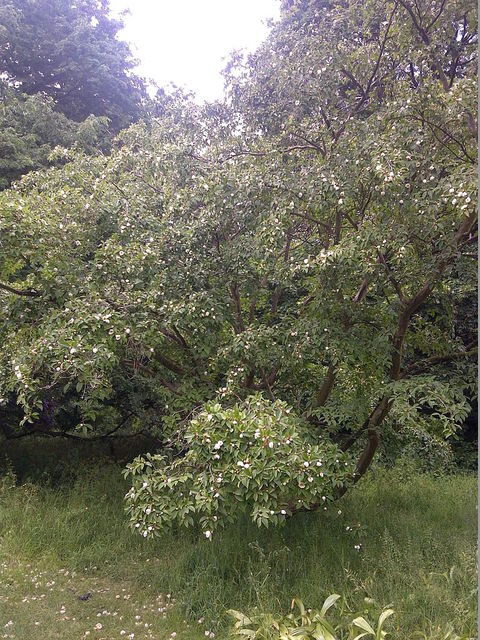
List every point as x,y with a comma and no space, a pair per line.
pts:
187,41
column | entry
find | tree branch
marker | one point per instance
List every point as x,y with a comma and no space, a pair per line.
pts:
30,293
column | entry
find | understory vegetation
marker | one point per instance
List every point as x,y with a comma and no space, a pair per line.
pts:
404,540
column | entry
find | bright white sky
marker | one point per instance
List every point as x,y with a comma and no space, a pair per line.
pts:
188,41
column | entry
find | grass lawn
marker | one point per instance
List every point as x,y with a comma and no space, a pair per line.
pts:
401,539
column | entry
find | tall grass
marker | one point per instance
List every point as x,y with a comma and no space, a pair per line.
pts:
410,542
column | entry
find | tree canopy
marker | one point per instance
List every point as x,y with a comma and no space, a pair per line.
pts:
69,51
268,285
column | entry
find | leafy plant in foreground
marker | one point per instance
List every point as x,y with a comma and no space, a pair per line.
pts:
308,624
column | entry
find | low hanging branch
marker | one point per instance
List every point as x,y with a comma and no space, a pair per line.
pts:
30,293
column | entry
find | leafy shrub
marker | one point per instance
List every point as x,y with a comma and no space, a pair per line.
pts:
257,453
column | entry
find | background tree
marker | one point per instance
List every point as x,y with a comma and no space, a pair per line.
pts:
69,51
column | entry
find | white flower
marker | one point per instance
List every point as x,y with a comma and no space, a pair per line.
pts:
270,445
73,350
208,534
218,445
98,626
148,511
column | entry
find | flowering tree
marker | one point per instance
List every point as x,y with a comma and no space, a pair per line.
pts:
267,285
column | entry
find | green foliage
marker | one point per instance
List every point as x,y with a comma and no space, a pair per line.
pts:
312,239
69,51
254,454
311,624
30,129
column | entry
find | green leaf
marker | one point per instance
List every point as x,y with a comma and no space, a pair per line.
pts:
364,625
